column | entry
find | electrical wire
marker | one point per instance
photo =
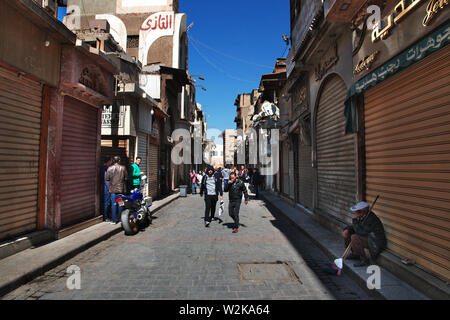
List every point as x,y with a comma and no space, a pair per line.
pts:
216,67
229,56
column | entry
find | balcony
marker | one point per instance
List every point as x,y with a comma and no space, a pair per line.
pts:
305,23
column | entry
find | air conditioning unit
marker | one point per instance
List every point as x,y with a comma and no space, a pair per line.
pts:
50,6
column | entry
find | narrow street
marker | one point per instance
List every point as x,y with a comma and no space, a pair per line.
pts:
178,258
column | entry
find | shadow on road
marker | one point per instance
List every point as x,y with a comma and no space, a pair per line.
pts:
341,287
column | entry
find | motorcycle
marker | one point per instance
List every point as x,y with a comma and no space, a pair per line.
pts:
136,213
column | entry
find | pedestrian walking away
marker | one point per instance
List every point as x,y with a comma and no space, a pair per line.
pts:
194,177
226,176
105,188
117,175
245,178
235,189
211,187
256,181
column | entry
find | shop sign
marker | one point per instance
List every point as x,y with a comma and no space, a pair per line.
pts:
112,119
401,10
432,43
366,63
159,21
433,8
328,60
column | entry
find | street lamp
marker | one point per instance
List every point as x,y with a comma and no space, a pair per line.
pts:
200,77
202,87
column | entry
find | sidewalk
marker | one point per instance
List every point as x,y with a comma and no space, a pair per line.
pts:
26,265
392,288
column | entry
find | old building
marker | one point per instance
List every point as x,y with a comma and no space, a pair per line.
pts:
368,98
30,70
400,98
154,35
266,118
229,146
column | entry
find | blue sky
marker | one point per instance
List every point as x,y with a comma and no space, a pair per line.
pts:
232,44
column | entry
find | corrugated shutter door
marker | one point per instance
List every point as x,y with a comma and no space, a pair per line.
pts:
336,173
285,167
142,147
408,160
79,163
142,150
20,128
153,166
305,173
291,175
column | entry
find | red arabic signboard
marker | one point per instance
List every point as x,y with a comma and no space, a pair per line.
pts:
159,21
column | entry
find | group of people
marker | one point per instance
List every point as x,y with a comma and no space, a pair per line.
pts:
117,180
213,182
250,177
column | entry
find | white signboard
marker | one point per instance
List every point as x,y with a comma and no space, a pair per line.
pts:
112,119
155,26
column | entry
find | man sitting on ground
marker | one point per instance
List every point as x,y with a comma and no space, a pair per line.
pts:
366,235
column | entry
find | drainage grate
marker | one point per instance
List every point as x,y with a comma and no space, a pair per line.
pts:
266,271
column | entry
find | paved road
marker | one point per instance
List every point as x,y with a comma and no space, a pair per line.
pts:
178,258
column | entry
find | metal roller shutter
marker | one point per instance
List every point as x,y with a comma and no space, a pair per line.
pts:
336,173
153,165
142,148
305,176
20,129
285,168
407,126
291,175
79,162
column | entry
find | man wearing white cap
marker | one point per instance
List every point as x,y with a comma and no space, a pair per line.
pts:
366,232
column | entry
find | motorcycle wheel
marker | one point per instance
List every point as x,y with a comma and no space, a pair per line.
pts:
128,223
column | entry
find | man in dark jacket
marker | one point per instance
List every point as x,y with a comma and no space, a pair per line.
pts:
366,234
235,188
212,187
117,175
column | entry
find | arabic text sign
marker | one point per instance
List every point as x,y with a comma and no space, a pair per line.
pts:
417,52
401,10
159,21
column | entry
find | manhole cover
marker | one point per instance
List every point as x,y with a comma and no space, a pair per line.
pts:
264,271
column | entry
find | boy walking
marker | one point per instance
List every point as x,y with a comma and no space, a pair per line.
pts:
235,188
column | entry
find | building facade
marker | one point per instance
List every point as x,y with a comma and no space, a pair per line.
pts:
368,94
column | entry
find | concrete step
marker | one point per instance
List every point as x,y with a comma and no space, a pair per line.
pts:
392,288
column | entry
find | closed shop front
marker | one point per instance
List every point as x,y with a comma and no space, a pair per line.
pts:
79,161
305,191
142,149
153,167
407,138
285,168
20,129
336,172
291,174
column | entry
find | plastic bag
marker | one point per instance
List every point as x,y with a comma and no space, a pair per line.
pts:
221,208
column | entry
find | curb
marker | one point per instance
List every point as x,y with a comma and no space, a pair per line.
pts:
377,294
15,281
